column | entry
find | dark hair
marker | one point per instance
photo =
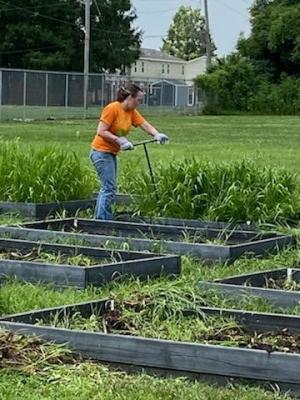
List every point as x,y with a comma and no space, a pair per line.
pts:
126,90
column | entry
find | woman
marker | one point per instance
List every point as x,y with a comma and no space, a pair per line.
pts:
116,120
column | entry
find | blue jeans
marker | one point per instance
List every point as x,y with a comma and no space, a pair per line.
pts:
106,167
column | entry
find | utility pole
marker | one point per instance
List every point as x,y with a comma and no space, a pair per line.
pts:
86,51
207,36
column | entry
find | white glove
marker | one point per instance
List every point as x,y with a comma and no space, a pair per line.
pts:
124,143
161,138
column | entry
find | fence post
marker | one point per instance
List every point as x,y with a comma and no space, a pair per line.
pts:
86,78
103,90
0,95
24,94
66,95
147,92
46,91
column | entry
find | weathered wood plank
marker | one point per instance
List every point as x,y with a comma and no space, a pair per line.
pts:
143,269
207,252
34,272
254,278
42,210
191,223
95,252
181,356
85,308
262,246
254,321
60,275
279,298
164,231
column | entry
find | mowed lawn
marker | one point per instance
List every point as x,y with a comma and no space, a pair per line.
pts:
272,140
268,140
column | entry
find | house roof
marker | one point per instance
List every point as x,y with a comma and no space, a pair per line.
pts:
158,55
174,82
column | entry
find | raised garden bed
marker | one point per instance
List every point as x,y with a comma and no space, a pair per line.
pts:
205,243
43,210
280,287
188,223
74,266
254,360
123,199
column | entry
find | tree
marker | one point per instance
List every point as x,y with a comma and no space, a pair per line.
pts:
49,34
274,43
186,35
263,75
114,41
32,36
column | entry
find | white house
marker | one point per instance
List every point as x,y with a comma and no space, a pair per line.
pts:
166,71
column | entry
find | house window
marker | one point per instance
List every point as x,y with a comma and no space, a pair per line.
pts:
168,68
182,70
135,67
143,67
162,68
191,96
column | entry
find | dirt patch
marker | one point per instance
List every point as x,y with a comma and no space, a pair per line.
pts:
283,284
37,255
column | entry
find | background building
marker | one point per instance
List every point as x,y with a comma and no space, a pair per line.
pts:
171,77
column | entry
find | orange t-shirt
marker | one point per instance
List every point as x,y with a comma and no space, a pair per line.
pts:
119,123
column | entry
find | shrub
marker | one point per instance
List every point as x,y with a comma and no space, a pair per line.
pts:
283,98
234,86
229,85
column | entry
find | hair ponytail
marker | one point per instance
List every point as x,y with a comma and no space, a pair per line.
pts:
128,89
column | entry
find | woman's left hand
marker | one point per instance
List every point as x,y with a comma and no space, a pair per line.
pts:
161,138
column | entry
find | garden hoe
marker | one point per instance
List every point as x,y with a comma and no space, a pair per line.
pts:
129,217
144,144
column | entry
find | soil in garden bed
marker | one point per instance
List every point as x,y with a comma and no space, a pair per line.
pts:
283,284
223,238
36,255
151,317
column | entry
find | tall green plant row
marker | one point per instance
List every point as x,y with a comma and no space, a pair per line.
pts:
42,175
238,191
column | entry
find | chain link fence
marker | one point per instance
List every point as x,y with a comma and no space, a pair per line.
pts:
26,95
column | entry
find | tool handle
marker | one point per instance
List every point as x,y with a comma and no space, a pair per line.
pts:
145,142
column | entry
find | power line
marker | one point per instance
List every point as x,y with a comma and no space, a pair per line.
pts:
37,6
39,15
24,50
231,8
66,22
30,49
158,11
101,18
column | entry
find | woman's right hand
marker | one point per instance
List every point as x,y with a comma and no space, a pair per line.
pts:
124,143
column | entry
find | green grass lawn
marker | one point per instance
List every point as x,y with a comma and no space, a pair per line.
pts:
273,140
267,140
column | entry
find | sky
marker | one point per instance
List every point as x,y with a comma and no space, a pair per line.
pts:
227,18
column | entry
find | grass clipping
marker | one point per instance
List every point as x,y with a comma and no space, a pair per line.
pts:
30,354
